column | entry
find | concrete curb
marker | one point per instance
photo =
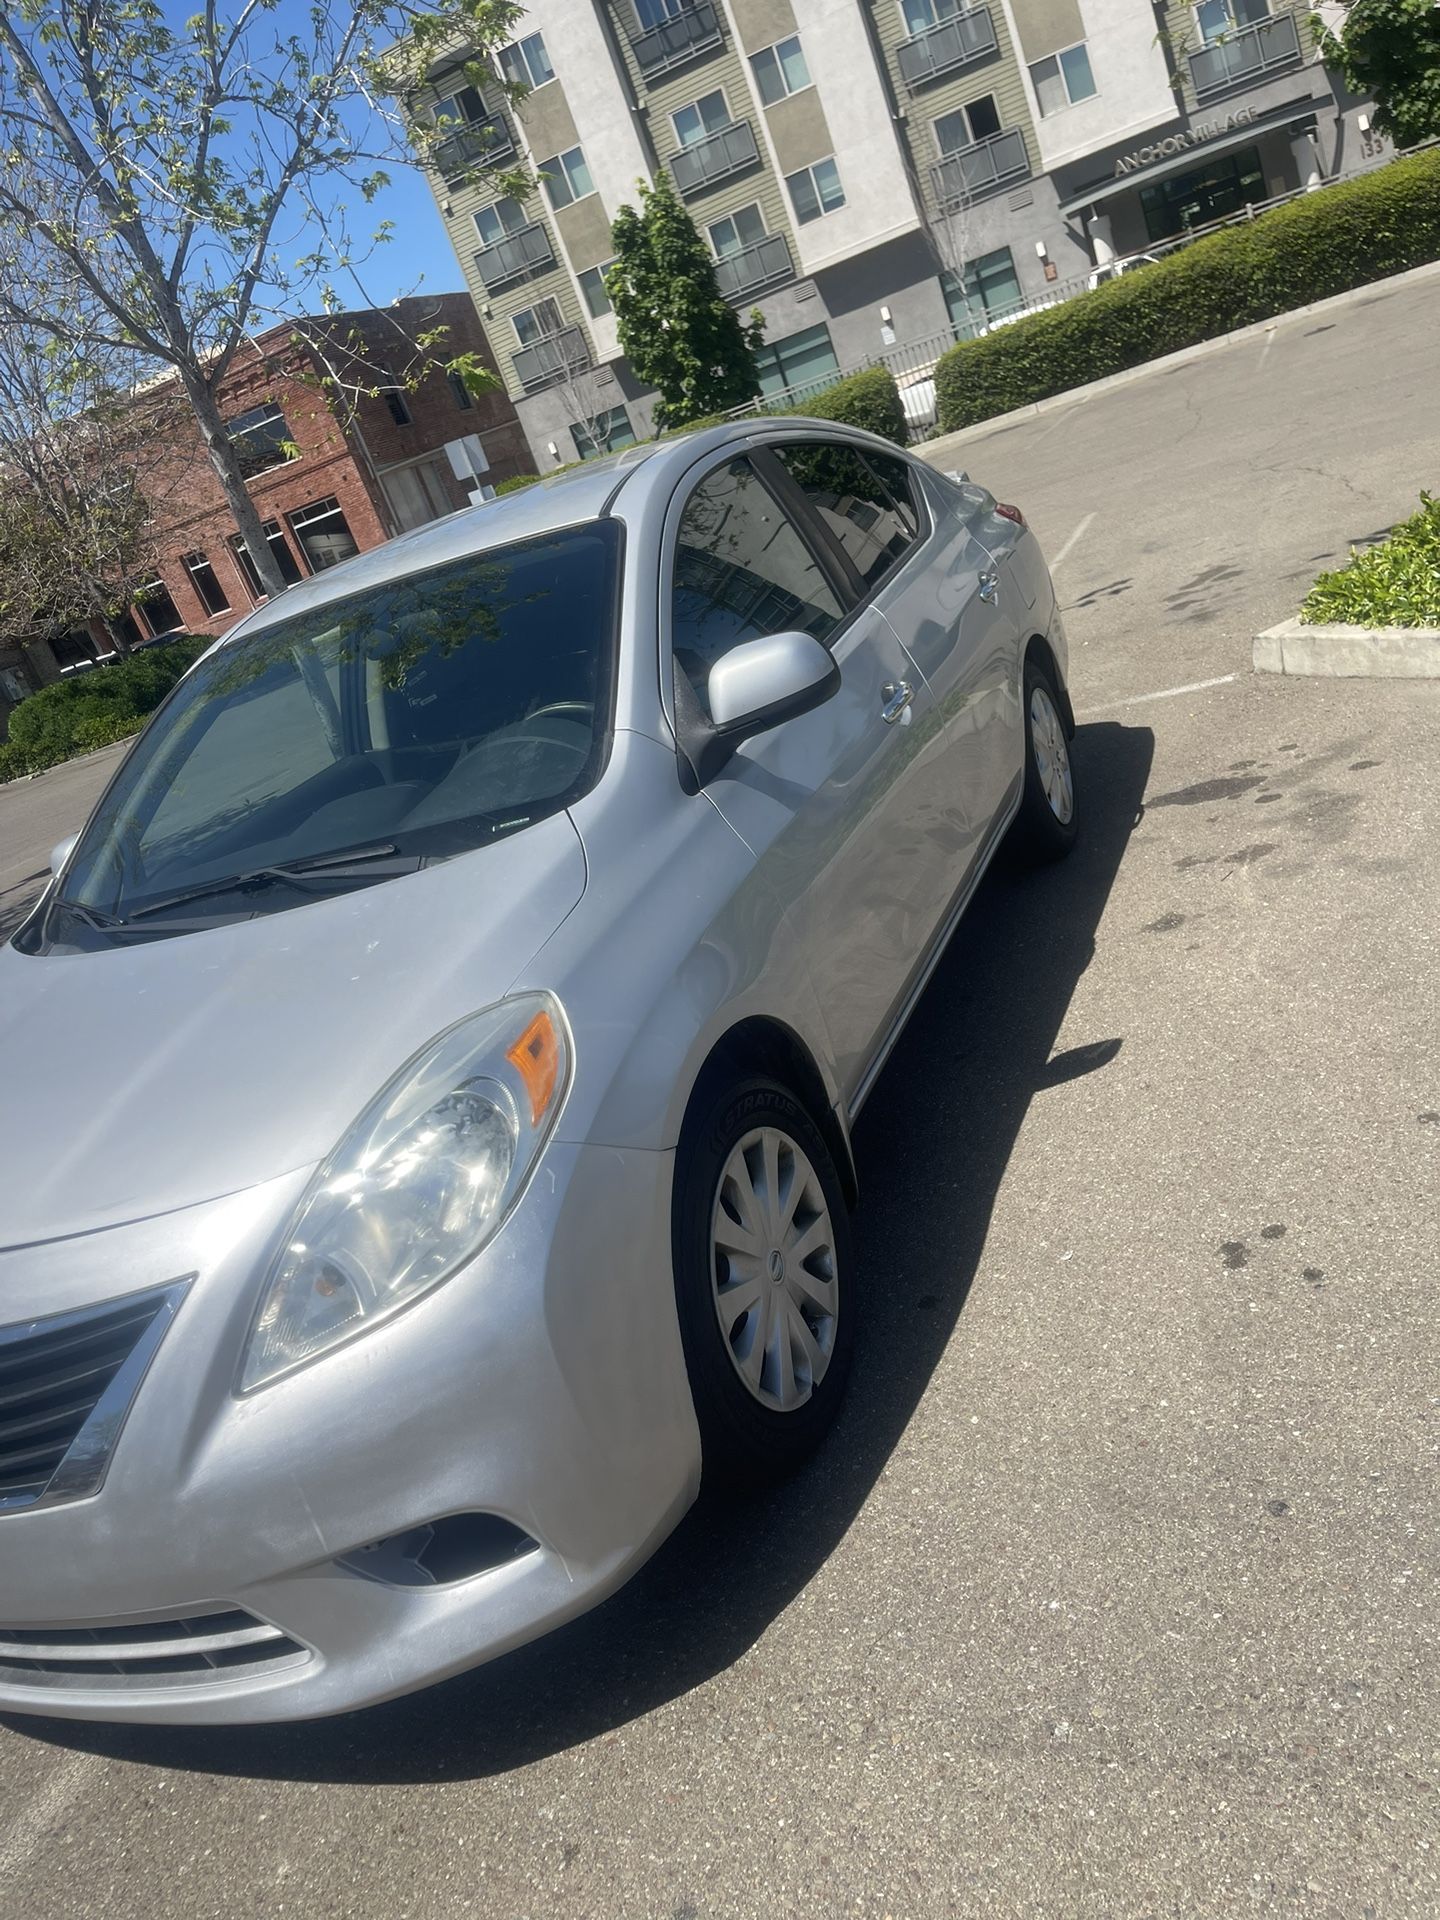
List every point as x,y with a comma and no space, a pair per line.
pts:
1349,653
928,449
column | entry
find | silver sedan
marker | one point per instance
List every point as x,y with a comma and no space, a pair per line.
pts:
429,1077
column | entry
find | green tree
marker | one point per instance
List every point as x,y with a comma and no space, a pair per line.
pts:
676,330
1390,49
192,175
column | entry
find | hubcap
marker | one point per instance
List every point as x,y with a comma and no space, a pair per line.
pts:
772,1269
1052,756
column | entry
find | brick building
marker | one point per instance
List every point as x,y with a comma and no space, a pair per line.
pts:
329,477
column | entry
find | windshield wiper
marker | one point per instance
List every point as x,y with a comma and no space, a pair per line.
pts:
92,916
322,869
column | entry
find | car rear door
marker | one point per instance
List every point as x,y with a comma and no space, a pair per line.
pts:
830,803
943,594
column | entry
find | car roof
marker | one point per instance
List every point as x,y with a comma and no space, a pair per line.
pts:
558,500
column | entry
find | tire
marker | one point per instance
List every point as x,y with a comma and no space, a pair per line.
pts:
765,1393
1048,822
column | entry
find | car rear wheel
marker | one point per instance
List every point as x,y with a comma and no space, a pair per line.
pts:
763,1280
1047,824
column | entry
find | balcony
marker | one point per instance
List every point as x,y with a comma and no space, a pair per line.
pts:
673,42
731,150
558,357
946,47
519,256
1245,56
760,265
483,143
972,172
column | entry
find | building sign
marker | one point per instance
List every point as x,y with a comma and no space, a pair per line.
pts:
1195,136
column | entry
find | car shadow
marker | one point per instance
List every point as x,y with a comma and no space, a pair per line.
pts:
932,1147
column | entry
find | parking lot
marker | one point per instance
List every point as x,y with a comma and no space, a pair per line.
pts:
1114,1592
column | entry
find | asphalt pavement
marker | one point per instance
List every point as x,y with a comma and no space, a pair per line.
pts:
1114,1593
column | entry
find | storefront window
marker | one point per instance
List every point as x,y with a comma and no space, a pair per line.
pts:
1186,200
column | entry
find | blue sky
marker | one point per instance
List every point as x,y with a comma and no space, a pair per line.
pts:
419,248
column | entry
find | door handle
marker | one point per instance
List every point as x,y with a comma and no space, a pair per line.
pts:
989,587
898,696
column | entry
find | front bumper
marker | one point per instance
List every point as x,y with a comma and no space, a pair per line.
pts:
543,1384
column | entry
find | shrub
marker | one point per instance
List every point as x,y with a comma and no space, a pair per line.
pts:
870,400
89,710
516,482
1396,584
1323,243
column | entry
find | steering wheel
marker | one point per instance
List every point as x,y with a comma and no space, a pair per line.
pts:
558,708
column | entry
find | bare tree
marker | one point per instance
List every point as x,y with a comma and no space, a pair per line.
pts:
192,178
950,227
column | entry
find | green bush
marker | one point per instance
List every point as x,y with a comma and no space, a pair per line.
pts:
1396,584
870,400
1323,243
516,482
89,710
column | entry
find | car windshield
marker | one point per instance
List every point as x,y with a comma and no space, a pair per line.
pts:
358,739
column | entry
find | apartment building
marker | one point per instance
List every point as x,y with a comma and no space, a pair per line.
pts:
868,173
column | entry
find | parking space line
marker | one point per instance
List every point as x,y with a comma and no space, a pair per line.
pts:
1165,693
1069,545
35,1822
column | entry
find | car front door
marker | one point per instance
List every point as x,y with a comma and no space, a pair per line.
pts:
942,592
829,803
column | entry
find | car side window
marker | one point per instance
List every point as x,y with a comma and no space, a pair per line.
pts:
864,499
742,570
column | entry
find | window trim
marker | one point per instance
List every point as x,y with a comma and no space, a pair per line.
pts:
199,557
732,216
1070,99
494,206
553,163
790,93
602,267
685,107
515,46
520,313
809,170
944,153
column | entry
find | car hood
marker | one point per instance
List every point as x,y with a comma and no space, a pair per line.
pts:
144,1078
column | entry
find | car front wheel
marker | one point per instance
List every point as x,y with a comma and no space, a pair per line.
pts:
763,1280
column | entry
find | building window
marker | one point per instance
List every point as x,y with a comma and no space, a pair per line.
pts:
284,559
803,362
325,539
1209,192
592,285
989,288
966,125
566,177
1216,18
607,434
815,191
526,63
920,15
261,440
206,583
537,323
701,118
417,493
654,13
160,612
1063,78
464,399
780,70
500,218
737,231
399,407
464,107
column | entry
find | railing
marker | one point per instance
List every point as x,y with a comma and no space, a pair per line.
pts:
759,265
971,172
559,356
947,45
677,40
519,256
482,143
729,151
1244,56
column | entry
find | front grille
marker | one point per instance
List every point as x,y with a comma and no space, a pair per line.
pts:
66,1384
196,1647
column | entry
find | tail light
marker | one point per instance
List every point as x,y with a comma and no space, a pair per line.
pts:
1010,513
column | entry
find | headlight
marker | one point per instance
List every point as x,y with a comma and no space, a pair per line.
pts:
422,1180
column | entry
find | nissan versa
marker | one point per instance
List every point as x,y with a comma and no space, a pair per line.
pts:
428,1078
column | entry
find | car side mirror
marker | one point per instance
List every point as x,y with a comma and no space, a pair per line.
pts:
60,853
756,686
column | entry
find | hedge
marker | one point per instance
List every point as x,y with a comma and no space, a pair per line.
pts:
1394,584
89,710
869,399
1323,243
